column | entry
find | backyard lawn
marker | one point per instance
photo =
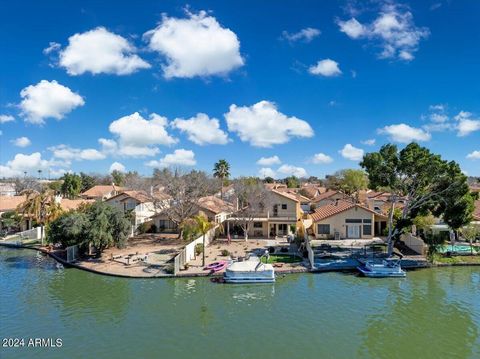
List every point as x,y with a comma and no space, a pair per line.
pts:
282,258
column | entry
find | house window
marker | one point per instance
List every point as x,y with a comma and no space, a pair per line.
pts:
367,229
353,220
284,206
377,209
367,221
257,225
323,229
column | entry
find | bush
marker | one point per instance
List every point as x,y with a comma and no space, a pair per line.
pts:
143,228
225,253
199,249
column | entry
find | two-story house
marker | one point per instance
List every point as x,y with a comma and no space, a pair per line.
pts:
136,203
279,218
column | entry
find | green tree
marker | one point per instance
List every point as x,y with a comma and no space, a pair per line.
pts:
108,226
118,177
69,229
221,170
72,185
40,207
423,182
87,182
350,182
203,226
292,182
55,186
470,233
268,180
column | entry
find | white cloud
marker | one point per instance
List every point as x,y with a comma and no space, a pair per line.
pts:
6,118
52,47
369,142
326,68
68,153
262,125
268,161
100,51
117,166
179,157
466,124
195,46
48,99
202,130
393,30
290,170
321,158
352,28
306,35
351,153
29,163
21,142
403,133
266,172
475,155
136,135
108,146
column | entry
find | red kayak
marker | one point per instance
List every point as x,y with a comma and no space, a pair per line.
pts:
216,266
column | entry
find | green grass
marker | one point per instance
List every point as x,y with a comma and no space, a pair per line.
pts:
457,259
282,258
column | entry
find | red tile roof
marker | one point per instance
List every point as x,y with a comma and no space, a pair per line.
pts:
334,208
10,203
101,190
215,204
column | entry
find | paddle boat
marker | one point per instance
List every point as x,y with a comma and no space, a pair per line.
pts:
249,271
389,267
216,266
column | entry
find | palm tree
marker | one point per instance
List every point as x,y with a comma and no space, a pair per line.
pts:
203,226
39,174
221,170
40,207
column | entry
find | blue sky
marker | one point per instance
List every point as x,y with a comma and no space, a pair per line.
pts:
306,86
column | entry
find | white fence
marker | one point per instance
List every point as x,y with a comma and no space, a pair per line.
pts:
32,234
188,253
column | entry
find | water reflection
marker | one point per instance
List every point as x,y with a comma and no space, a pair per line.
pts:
79,294
417,315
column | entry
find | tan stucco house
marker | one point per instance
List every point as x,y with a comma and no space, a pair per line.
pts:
278,219
344,219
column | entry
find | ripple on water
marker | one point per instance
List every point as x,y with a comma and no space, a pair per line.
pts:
430,314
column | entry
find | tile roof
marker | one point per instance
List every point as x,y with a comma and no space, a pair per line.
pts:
334,208
215,204
326,195
10,203
68,204
101,190
286,194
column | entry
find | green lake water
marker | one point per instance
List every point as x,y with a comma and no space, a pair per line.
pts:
433,313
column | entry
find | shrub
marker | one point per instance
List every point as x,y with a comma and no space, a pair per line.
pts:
225,253
199,249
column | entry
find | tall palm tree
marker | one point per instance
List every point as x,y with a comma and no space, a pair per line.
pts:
39,174
203,226
40,207
221,170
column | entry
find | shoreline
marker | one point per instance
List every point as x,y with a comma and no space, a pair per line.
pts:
214,275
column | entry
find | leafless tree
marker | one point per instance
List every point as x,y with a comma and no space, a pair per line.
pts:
183,192
26,183
253,201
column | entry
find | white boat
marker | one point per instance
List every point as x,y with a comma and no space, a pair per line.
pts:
249,271
387,268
